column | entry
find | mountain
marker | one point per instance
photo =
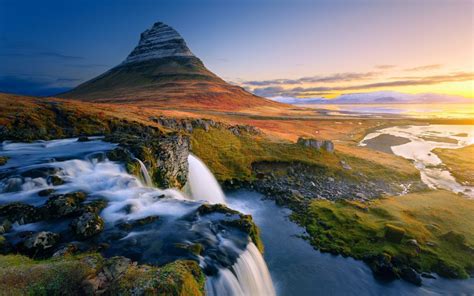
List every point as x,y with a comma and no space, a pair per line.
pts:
163,71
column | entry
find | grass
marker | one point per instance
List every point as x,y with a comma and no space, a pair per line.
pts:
460,163
439,221
21,275
231,157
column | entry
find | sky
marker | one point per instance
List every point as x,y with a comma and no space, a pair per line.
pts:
293,48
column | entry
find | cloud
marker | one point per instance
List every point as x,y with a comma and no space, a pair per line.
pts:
401,81
338,77
424,68
43,54
376,97
34,86
385,67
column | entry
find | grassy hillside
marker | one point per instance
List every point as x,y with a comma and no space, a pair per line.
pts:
460,163
439,221
231,157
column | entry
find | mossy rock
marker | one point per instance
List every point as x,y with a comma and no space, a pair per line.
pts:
394,233
3,160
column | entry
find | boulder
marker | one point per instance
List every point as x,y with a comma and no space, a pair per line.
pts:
64,205
410,275
40,242
55,180
87,225
316,144
394,233
20,213
172,161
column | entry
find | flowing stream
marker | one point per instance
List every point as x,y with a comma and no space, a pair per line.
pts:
233,264
298,269
421,141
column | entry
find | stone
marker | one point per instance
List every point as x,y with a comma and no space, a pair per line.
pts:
394,233
40,242
64,205
316,144
55,180
345,165
20,213
83,139
87,225
410,275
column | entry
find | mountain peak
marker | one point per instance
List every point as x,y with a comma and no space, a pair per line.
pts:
158,42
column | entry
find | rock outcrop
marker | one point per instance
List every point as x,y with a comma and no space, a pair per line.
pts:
159,42
317,144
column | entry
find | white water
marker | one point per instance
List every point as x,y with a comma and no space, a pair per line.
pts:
419,150
249,276
202,183
145,174
109,180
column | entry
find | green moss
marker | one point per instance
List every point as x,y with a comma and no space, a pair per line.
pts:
437,220
180,278
21,275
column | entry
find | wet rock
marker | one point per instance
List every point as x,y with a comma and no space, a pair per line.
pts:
382,266
3,160
120,154
95,206
87,225
20,213
113,269
43,172
172,161
428,275
128,225
410,275
5,225
55,180
66,250
83,139
64,205
40,242
215,208
46,192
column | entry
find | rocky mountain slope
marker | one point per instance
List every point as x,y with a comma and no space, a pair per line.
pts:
162,71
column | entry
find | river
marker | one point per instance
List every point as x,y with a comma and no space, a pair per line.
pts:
298,269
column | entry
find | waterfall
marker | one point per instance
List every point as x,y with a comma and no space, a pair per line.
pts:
249,276
145,174
202,184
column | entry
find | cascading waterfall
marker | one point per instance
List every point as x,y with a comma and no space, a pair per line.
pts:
84,168
145,174
202,183
249,276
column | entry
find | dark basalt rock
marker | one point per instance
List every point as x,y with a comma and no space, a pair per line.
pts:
63,205
40,172
46,192
382,267
128,225
83,139
87,225
410,275
95,206
20,213
215,208
40,243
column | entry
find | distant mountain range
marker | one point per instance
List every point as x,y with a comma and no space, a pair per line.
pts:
382,97
163,71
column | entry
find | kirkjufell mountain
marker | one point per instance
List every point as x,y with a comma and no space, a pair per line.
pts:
162,70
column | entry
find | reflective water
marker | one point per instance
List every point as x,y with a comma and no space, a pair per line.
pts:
298,269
